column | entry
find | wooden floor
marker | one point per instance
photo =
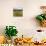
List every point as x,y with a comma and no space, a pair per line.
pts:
30,45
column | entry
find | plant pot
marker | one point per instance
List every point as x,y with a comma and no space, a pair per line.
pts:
43,23
13,38
9,41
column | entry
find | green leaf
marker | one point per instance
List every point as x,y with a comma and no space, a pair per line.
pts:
10,31
40,18
45,16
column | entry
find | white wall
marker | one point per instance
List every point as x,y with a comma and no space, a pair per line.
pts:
26,24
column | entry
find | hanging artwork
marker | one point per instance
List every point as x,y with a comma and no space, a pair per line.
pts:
18,12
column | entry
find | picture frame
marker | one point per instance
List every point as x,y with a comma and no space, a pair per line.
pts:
18,12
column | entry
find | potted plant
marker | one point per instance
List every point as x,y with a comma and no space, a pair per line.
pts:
11,31
42,17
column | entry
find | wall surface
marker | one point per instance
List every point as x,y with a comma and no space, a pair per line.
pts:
27,24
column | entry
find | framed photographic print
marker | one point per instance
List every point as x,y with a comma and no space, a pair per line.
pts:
18,12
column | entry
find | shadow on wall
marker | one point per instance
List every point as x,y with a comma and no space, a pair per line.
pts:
34,22
2,30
